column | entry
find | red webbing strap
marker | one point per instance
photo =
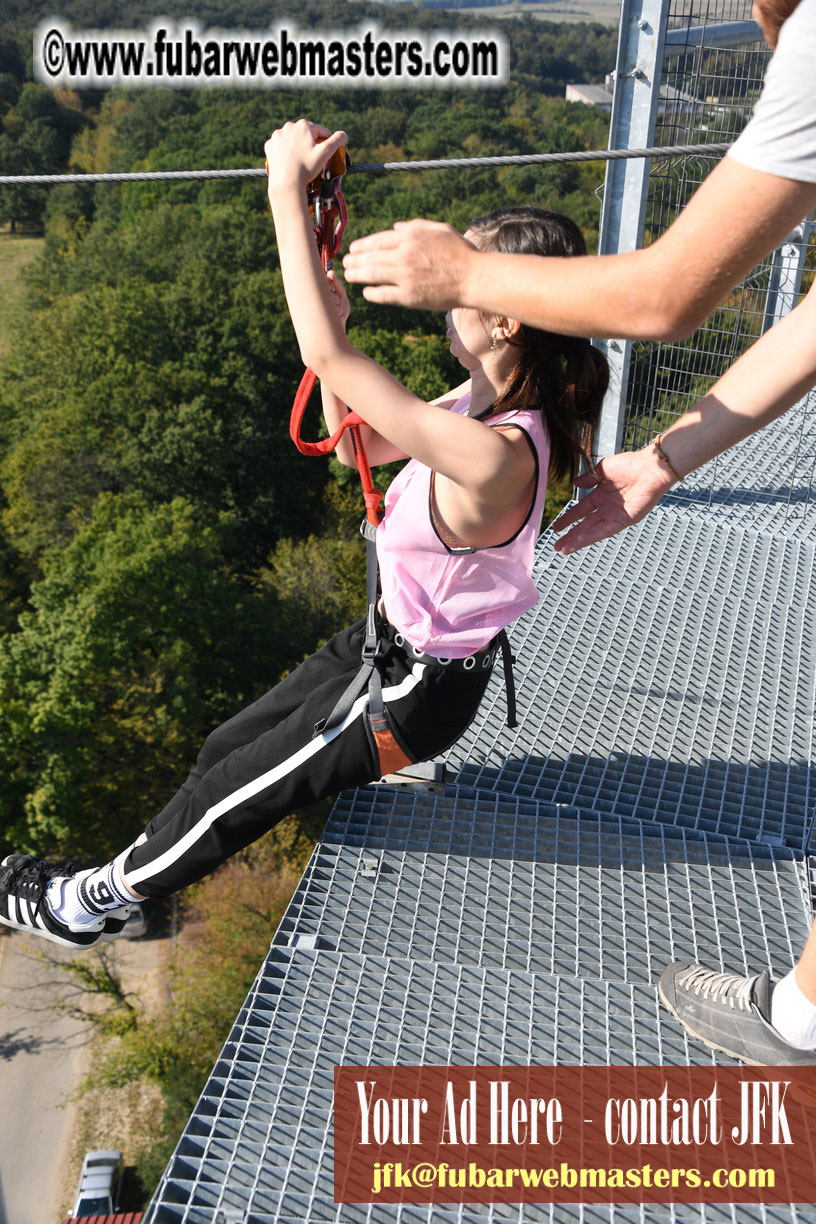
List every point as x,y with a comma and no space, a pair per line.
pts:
371,496
326,445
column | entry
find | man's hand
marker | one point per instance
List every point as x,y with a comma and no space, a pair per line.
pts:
624,487
418,263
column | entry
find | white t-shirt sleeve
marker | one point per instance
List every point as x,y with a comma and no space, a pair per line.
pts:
781,136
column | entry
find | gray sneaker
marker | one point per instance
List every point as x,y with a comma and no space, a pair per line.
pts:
729,1013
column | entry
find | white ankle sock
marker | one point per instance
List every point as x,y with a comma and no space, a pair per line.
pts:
792,1014
81,901
63,902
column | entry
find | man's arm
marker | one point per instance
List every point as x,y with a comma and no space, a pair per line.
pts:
662,292
771,376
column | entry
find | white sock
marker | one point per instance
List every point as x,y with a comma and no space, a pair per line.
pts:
63,901
81,901
792,1014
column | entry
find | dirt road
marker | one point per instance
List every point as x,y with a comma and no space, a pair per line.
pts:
42,1057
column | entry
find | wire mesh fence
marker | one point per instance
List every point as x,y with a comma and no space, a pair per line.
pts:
707,94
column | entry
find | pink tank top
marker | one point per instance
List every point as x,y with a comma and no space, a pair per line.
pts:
452,602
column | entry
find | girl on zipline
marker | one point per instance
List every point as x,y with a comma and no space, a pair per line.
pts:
455,551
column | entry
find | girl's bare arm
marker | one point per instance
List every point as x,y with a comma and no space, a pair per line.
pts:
378,449
484,463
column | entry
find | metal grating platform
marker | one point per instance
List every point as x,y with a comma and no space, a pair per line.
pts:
474,879
258,1148
668,673
259,1144
743,486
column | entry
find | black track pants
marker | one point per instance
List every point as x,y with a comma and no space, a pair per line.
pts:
267,761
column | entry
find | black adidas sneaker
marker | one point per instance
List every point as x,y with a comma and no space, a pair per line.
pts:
23,882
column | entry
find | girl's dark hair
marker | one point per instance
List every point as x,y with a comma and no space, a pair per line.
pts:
563,375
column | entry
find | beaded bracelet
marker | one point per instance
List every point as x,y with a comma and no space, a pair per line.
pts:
664,458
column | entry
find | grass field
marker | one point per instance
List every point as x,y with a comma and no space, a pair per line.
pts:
16,251
607,12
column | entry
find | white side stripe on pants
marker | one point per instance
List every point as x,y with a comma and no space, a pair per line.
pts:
394,693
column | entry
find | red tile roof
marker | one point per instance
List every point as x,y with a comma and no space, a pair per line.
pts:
127,1217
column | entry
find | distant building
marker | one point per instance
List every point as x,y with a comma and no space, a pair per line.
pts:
672,102
592,95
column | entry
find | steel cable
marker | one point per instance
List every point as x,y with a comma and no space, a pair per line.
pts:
450,163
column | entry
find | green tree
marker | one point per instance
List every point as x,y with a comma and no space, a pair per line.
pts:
178,378
36,140
13,586
138,642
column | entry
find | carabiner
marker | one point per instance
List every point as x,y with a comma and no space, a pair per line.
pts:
327,207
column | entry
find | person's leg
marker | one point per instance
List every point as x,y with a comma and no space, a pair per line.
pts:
252,721
285,766
288,765
281,766
793,1004
806,968
32,892
274,706
259,766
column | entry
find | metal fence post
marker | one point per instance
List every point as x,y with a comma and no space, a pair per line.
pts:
787,269
632,125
